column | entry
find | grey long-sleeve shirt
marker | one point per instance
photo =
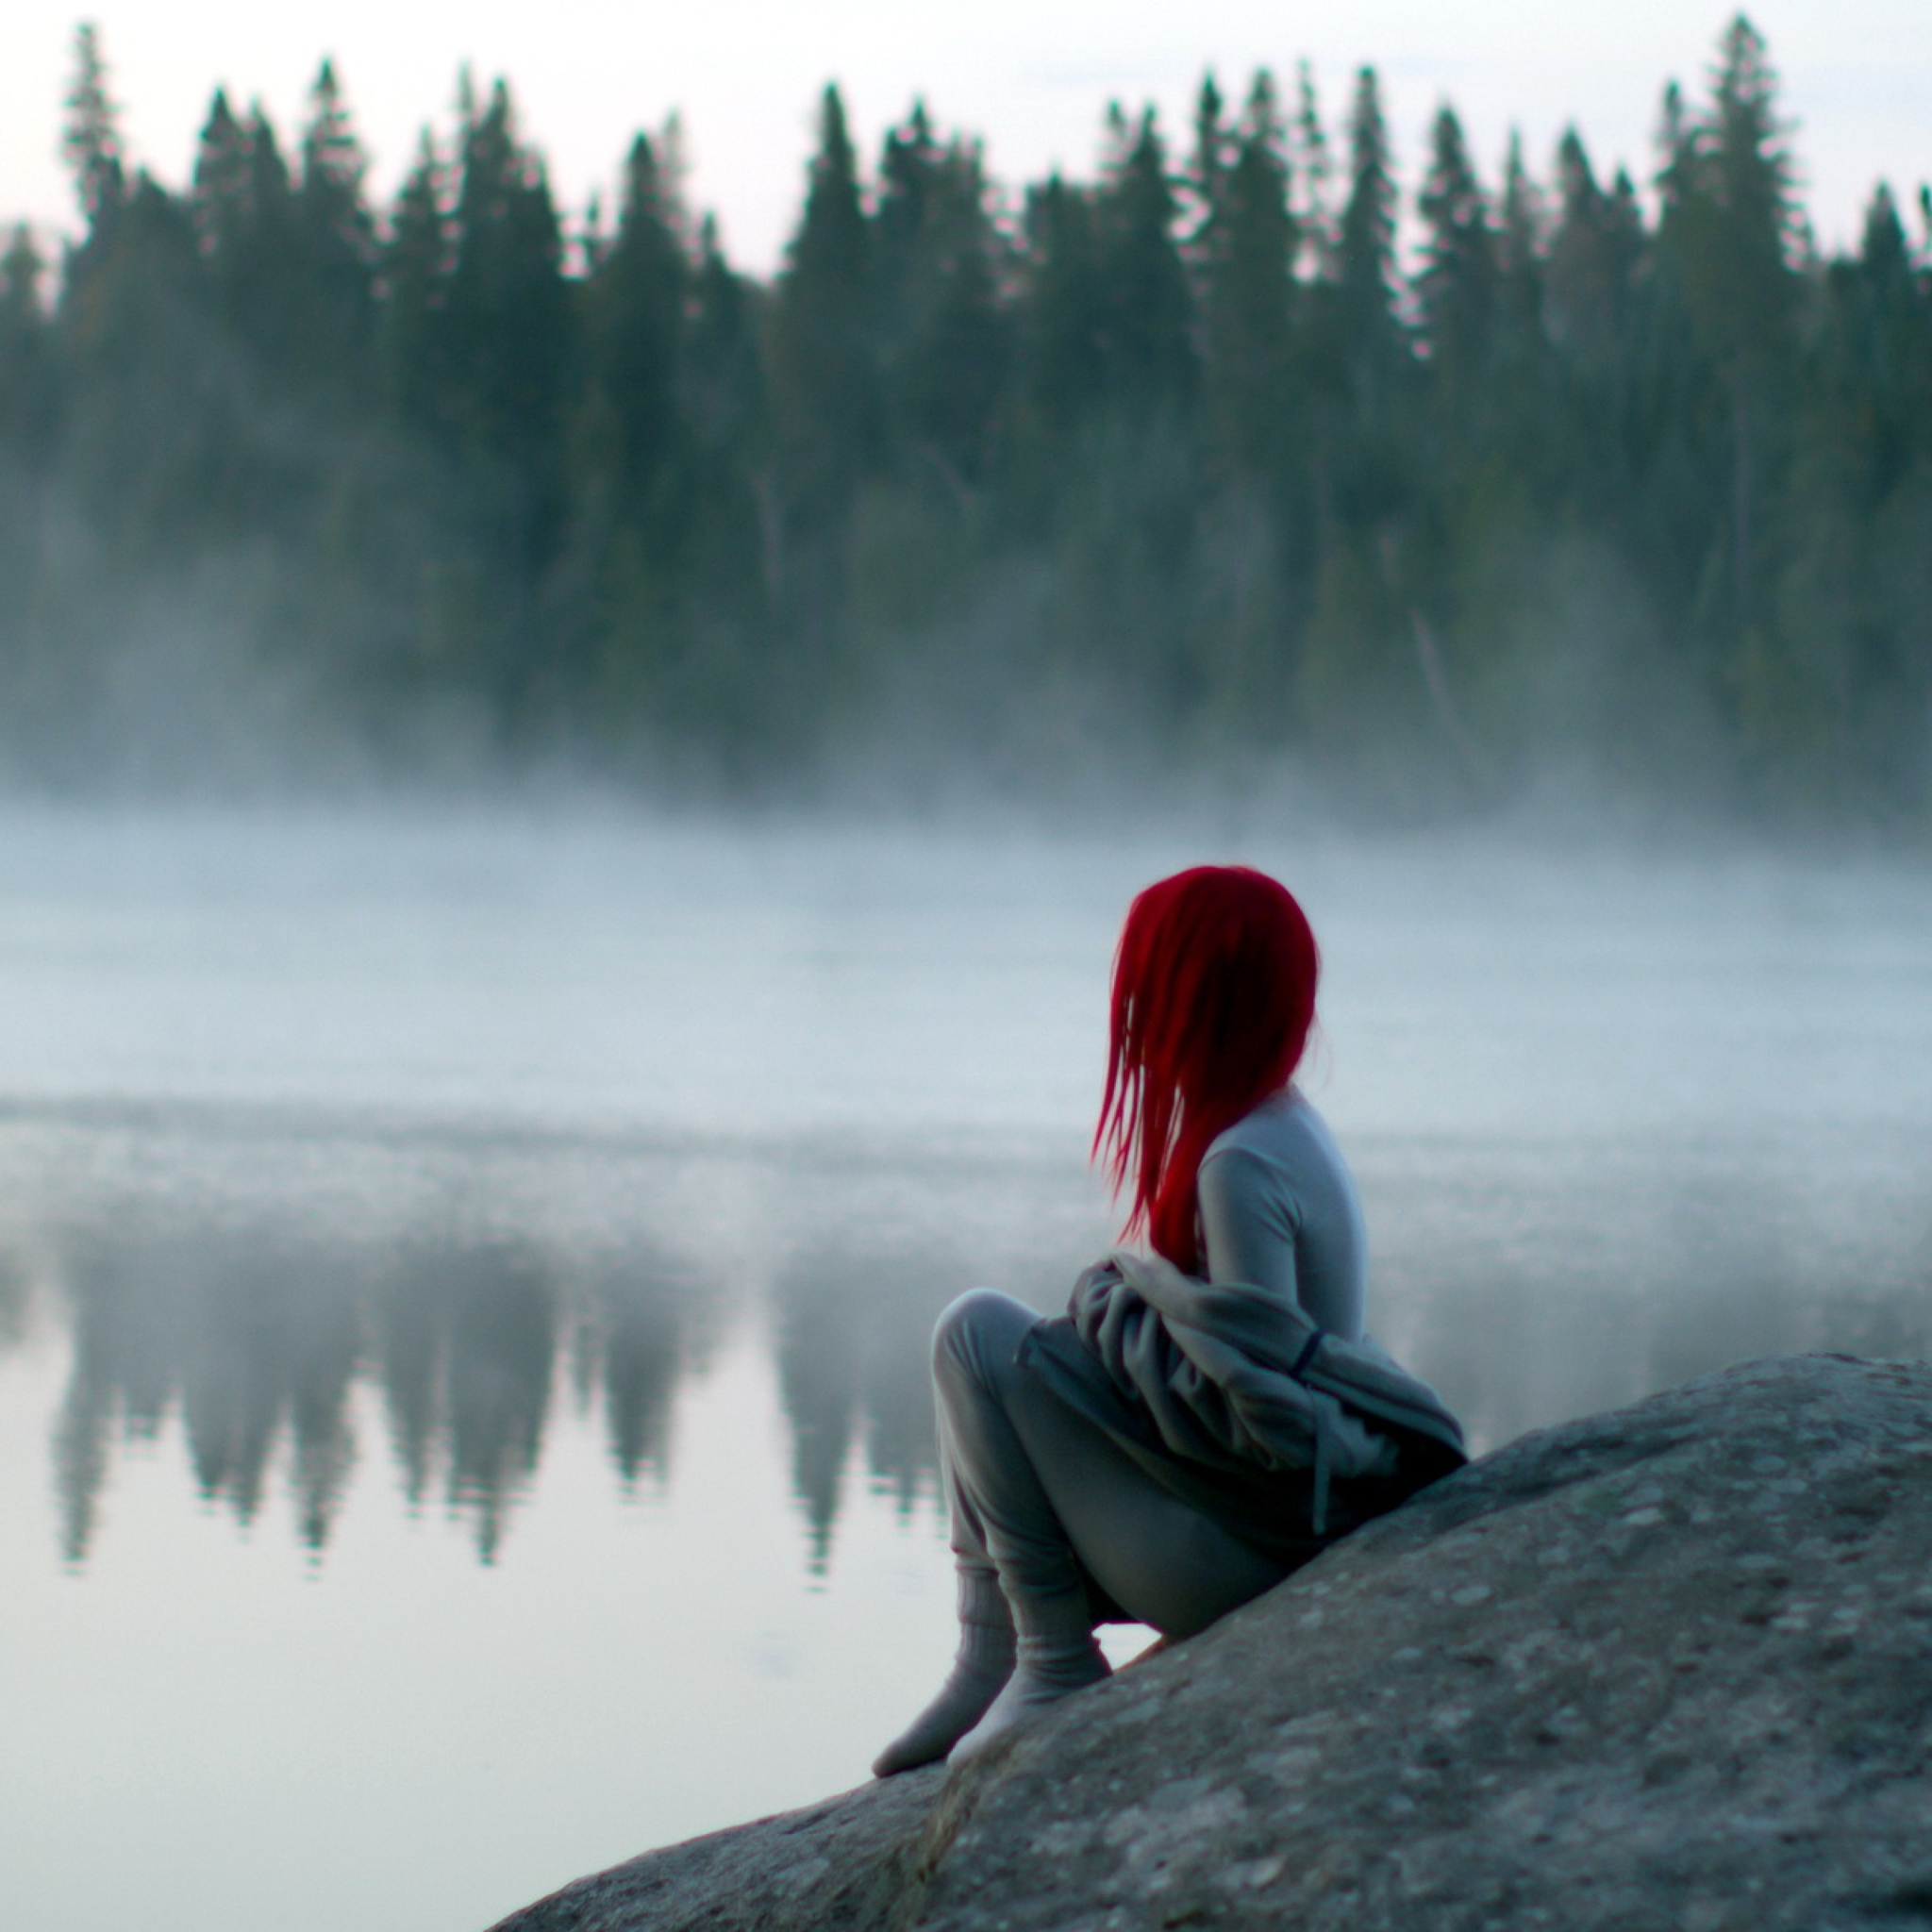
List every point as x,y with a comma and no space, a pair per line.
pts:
1279,1217
1279,1210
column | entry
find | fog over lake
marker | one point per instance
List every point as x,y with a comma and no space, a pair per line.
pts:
464,1280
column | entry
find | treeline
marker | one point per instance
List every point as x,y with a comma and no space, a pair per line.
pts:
1189,466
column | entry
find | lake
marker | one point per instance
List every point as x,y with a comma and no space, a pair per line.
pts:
464,1278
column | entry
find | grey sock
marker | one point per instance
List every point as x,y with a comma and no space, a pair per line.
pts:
1057,1657
981,1666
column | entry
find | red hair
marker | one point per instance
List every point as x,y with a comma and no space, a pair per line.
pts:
1213,997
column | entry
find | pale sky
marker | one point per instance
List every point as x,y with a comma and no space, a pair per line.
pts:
1031,76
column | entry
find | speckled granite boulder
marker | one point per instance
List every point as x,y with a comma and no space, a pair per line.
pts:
1665,1668
817,1867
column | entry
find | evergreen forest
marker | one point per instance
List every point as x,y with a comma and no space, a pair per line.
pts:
1253,453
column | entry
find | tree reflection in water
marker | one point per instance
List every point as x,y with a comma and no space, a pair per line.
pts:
853,1328
260,1337
251,1332
466,1351
636,1337
471,1291
1530,1283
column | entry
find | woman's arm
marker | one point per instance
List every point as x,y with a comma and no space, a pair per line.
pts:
1248,1221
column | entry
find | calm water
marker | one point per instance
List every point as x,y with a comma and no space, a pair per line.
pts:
463,1285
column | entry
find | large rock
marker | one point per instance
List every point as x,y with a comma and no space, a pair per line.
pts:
1670,1667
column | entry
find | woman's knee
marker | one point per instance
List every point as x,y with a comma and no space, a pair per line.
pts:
980,1331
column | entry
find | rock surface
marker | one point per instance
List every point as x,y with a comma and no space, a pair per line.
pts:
1665,1668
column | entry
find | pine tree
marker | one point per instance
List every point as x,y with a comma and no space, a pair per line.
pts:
634,501
243,210
146,459
414,272
334,164
634,304
1857,502
1208,169
1149,326
944,334
725,372
220,193
1595,251
131,336
1062,317
1731,232
1355,665
29,422
1749,174
910,165
505,310
824,332
1358,359
1521,227
736,569
1877,346
336,242
1311,169
505,331
827,418
92,138
1606,356
1457,289
1247,255
1105,476
27,373
1365,236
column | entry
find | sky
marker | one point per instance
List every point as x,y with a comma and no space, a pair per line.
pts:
1030,76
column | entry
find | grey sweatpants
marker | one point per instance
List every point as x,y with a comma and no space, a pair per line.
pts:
1040,1494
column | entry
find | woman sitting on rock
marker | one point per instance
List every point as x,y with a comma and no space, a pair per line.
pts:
1207,1417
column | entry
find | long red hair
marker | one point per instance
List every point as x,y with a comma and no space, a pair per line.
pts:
1213,997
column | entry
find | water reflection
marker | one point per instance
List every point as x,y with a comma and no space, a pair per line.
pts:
635,1341
258,1336
1530,1281
467,1341
254,1334
852,1328
14,1301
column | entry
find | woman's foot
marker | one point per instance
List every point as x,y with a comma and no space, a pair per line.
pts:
964,1699
1047,1671
982,1667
